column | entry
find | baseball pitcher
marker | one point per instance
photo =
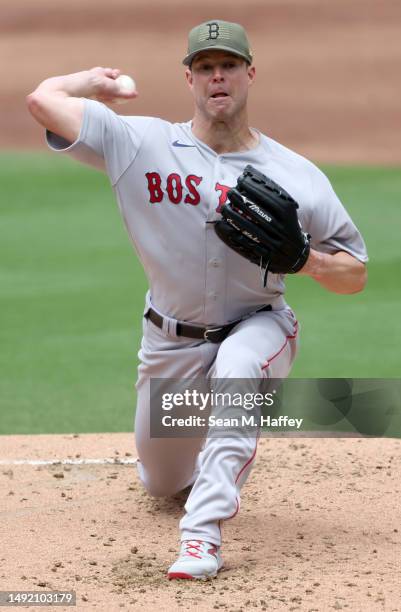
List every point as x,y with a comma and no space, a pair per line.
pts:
218,214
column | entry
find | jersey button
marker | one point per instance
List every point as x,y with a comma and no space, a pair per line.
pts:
215,263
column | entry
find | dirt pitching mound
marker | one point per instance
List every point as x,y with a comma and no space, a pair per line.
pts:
318,527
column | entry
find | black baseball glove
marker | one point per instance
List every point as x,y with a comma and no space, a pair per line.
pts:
260,222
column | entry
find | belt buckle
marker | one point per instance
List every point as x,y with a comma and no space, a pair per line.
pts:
211,330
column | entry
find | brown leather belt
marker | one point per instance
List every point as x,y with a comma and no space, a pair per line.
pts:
208,334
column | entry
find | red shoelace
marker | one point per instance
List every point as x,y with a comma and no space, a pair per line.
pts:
196,551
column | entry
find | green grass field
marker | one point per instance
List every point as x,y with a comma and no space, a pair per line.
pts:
72,296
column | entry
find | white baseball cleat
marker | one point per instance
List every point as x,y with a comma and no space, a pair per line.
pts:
198,560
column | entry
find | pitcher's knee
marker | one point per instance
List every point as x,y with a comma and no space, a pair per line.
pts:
157,488
159,485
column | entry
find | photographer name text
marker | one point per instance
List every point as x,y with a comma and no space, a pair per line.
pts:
242,421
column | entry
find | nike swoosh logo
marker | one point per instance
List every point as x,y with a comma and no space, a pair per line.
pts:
177,143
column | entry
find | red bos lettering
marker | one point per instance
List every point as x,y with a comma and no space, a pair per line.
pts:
191,183
155,187
174,188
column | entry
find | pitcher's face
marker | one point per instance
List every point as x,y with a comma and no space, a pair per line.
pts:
219,82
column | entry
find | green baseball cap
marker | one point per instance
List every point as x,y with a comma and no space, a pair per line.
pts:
220,35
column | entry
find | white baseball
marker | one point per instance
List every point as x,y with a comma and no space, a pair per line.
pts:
126,85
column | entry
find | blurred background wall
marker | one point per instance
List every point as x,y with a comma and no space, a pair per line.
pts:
328,71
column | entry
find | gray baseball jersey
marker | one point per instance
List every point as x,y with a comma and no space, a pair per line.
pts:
170,187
